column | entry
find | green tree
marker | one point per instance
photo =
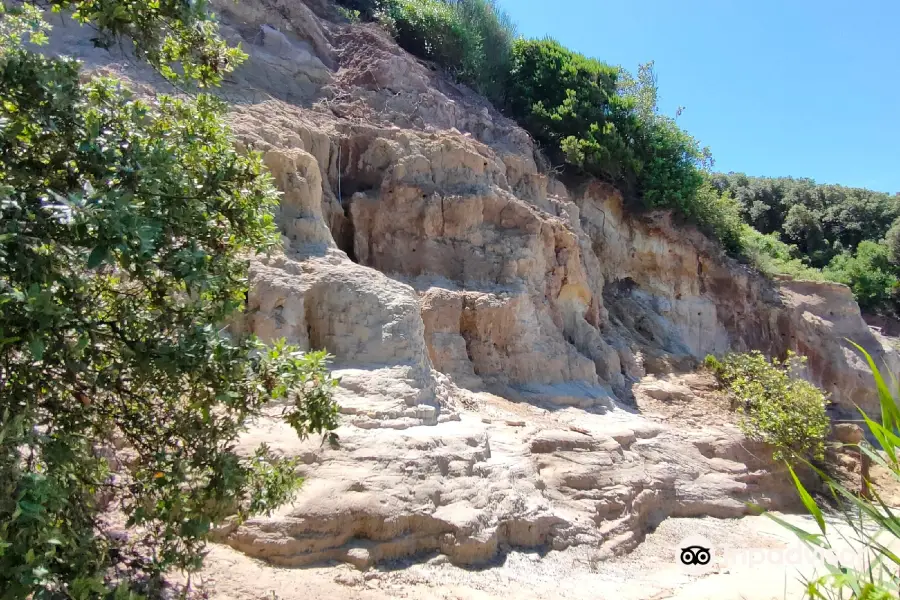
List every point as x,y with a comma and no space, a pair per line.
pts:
125,228
868,272
720,215
803,228
669,164
817,218
892,241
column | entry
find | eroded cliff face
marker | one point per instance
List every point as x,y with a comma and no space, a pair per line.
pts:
503,340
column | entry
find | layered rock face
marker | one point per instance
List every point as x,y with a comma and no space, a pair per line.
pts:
504,341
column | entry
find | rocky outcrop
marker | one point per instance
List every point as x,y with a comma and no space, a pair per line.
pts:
520,477
504,340
449,276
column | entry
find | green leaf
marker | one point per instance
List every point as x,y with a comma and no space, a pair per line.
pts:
890,414
97,257
36,345
813,539
808,501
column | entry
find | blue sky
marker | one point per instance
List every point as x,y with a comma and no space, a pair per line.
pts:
774,87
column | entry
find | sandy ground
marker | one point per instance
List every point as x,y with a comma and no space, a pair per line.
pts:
753,559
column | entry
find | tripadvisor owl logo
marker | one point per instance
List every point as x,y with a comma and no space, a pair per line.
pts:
695,554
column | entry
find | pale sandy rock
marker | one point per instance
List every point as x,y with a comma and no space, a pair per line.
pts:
469,489
664,390
472,270
847,433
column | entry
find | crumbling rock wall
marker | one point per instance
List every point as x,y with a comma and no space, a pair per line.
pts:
446,273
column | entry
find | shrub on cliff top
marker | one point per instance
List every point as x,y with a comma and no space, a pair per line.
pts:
570,104
601,119
868,272
470,39
670,164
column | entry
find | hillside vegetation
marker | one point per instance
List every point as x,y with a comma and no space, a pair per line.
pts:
591,117
848,235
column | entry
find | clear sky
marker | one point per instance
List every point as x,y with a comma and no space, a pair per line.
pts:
806,88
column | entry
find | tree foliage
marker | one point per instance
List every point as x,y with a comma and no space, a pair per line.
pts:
777,406
178,38
847,235
125,227
892,241
606,122
773,257
868,272
821,220
570,103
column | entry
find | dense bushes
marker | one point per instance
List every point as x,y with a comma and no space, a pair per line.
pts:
868,272
497,33
670,164
602,120
433,29
823,221
776,405
719,215
829,232
773,257
571,105
471,39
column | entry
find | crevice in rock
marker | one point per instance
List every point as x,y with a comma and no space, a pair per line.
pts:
466,329
345,233
314,322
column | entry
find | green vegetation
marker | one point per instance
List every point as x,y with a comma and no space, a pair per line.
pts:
353,16
125,228
368,10
470,39
847,235
773,257
777,406
868,272
598,118
823,221
571,105
868,522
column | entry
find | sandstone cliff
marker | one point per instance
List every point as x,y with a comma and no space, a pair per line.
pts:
506,340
